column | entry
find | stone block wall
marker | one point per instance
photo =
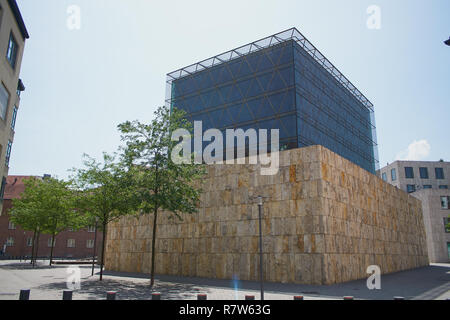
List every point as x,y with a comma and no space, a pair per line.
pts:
325,220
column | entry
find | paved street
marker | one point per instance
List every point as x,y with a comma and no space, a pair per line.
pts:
47,283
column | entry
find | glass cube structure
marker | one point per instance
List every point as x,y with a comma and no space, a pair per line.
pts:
279,82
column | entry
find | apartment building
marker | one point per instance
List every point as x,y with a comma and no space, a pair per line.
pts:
13,35
428,181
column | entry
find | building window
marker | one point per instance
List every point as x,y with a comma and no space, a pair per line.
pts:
11,54
29,242
8,153
409,173
410,188
443,187
71,243
4,100
14,116
444,202
11,226
50,242
91,229
10,242
423,173
384,176
428,186
439,173
393,175
448,249
2,190
447,225
90,244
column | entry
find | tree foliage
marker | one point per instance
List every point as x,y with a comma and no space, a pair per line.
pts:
104,193
46,206
159,183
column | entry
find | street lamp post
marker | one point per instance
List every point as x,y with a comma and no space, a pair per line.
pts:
95,245
261,269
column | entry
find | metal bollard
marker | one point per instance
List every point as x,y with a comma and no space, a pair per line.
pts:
202,296
111,295
298,297
248,297
67,295
156,296
348,298
24,294
399,298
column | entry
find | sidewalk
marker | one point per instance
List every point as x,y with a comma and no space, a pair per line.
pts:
432,282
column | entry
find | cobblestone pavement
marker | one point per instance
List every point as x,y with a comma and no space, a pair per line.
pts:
48,283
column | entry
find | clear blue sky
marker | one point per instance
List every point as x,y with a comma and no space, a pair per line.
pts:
82,83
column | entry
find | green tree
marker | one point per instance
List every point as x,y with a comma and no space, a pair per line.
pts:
159,183
104,194
58,203
45,207
26,212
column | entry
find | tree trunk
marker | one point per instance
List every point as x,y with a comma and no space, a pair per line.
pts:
51,249
32,247
95,248
103,251
36,248
152,279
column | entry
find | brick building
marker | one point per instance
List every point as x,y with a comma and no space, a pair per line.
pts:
15,242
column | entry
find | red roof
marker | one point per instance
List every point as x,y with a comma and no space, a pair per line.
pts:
14,186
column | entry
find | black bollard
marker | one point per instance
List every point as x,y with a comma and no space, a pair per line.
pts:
156,296
111,295
24,294
67,295
202,296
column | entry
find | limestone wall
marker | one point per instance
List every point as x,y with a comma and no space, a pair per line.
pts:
325,221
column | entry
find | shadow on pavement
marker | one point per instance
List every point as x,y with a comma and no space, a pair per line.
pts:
423,283
126,290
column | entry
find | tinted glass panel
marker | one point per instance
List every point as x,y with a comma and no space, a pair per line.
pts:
4,99
281,87
423,173
411,188
11,54
439,173
409,173
393,175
